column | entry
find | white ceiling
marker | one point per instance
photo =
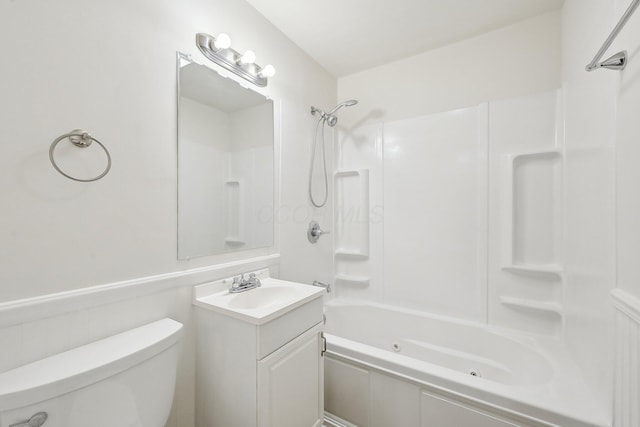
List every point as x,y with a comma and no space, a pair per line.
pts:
347,36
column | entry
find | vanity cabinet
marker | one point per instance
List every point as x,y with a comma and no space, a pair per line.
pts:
291,385
260,373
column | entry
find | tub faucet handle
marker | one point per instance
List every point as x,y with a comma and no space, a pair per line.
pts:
314,231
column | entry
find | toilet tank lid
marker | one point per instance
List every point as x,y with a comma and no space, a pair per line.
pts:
82,366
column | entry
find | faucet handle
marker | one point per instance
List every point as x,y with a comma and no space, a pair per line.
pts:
236,282
314,232
254,279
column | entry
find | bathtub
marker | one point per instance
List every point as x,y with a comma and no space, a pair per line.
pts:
390,367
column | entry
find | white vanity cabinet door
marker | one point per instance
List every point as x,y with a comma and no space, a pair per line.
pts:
291,383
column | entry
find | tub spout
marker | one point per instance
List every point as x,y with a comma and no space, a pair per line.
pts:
322,285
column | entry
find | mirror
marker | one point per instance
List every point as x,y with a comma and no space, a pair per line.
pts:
225,164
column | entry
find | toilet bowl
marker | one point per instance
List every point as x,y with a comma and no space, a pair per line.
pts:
126,380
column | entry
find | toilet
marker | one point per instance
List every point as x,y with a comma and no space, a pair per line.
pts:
126,380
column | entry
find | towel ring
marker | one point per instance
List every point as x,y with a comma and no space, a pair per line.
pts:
81,139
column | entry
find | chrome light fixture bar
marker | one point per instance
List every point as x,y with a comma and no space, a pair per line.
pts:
619,60
219,51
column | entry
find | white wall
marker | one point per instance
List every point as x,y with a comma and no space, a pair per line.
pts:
590,107
521,59
627,296
627,157
109,67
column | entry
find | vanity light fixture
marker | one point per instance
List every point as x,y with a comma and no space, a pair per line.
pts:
223,41
247,58
267,71
218,49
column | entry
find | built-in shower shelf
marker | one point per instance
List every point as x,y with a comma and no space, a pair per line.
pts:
344,173
233,195
531,213
552,152
351,213
348,279
540,269
352,254
533,305
234,241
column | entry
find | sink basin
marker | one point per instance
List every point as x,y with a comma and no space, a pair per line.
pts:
257,306
263,297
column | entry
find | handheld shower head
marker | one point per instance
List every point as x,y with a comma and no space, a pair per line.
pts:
330,119
348,103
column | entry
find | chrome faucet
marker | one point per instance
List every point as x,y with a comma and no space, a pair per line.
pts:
240,284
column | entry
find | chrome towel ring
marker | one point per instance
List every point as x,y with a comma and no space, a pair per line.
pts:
81,139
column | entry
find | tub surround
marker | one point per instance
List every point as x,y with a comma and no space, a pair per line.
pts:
477,235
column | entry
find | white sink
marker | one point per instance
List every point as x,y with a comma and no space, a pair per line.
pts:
264,297
257,306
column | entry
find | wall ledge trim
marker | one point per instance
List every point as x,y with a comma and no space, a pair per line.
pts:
44,306
626,303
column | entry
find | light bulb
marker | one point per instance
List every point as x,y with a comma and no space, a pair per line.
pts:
223,41
267,71
249,57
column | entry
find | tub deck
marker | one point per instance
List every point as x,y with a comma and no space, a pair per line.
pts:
440,365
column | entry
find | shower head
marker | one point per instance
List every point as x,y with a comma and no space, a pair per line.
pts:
329,118
348,103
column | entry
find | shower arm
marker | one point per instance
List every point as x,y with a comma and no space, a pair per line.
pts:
322,114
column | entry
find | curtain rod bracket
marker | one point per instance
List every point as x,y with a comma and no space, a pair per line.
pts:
619,60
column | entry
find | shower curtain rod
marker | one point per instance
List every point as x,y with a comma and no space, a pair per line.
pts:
619,60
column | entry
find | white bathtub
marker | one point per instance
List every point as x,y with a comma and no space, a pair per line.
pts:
388,367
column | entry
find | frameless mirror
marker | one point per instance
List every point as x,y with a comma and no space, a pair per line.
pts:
225,164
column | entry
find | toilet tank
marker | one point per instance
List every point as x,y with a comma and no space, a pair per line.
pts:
126,380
